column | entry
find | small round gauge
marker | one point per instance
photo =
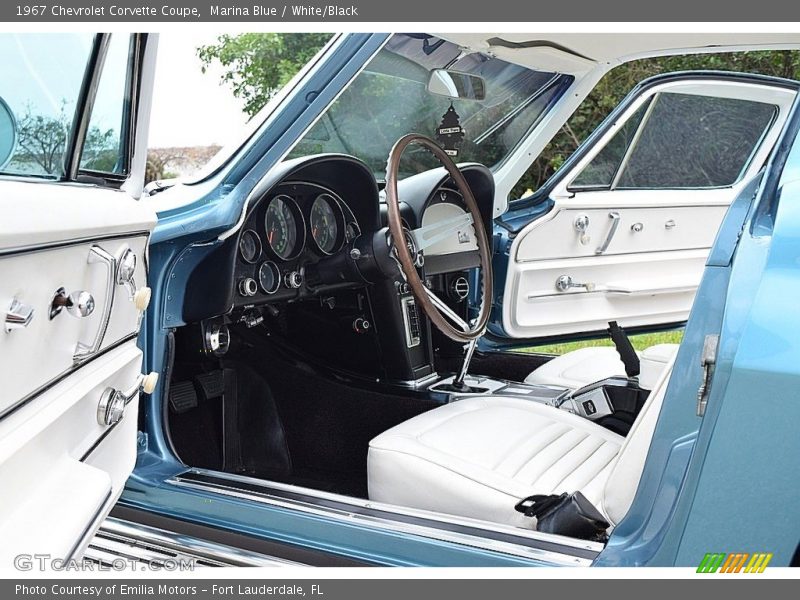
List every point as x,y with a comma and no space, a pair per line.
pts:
326,219
284,236
250,246
269,277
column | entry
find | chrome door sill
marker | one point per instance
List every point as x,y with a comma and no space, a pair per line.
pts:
119,542
550,549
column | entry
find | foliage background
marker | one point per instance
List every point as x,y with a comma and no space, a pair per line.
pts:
258,64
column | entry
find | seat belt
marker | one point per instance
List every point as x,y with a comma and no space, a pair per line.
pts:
624,348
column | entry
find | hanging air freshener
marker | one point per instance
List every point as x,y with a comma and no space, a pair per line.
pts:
450,133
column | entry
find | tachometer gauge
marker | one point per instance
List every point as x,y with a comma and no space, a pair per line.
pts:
250,246
281,226
326,222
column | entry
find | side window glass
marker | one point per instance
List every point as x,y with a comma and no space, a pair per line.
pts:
682,141
105,148
599,174
40,83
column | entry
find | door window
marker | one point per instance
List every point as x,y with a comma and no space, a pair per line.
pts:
40,81
680,141
43,83
105,146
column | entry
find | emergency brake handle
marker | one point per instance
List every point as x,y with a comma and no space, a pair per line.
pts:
624,348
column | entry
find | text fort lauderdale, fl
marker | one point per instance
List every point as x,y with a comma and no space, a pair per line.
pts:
294,10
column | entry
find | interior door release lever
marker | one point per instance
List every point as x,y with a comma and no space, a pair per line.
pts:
565,283
614,216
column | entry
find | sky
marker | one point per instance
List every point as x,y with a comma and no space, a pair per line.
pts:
190,108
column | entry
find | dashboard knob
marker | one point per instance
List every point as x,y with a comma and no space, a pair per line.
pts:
248,286
361,325
294,279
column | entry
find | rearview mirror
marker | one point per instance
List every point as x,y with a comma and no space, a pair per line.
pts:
456,85
8,133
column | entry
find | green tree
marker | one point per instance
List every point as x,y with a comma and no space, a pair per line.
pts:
257,65
42,141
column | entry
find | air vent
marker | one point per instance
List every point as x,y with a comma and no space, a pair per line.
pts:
459,289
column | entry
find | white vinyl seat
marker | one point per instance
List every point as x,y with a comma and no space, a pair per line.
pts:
479,456
581,367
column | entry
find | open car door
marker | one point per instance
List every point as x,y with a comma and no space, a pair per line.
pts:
623,230
73,255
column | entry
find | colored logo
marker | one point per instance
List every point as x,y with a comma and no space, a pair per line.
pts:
736,562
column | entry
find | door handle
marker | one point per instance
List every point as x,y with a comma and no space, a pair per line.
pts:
98,255
614,216
18,315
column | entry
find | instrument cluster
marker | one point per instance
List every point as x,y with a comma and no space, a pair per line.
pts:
293,226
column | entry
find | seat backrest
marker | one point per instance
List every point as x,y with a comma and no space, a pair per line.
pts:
621,484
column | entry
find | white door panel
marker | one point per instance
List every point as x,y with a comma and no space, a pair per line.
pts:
639,248
637,289
640,228
33,278
63,460
43,446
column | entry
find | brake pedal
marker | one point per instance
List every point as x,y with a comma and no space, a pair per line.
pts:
182,397
210,385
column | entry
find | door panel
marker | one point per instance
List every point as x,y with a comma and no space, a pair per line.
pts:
73,287
55,341
610,251
42,449
639,228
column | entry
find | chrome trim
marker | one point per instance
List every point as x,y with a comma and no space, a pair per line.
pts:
98,254
385,524
612,230
18,315
118,538
416,383
300,226
72,242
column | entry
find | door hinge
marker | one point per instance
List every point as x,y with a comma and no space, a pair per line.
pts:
708,360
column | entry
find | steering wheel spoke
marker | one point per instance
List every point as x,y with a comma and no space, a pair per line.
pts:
440,314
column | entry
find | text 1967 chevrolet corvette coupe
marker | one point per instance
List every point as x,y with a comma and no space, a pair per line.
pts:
302,355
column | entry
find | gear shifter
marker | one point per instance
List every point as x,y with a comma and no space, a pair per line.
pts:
458,385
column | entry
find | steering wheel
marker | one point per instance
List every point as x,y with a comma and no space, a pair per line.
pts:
436,309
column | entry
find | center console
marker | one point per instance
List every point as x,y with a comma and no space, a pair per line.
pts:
612,403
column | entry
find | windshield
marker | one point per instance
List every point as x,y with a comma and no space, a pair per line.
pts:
390,99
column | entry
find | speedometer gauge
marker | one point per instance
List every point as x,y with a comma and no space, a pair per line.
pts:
281,226
325,221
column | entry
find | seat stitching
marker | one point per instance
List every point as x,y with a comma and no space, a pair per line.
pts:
595,451
558,458
540,450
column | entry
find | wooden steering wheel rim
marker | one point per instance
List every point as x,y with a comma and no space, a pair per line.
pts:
404,256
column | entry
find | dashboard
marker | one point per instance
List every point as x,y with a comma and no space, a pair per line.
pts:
313,264
293,227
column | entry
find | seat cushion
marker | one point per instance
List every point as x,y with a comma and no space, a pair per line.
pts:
578,368
479,456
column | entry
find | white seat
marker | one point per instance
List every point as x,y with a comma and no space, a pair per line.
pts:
479,456
578,368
